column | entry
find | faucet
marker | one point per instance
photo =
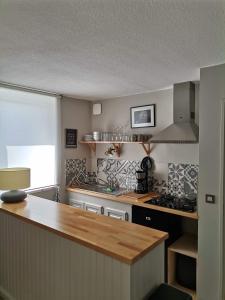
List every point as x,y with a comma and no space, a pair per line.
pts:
99,180
86,178
112,184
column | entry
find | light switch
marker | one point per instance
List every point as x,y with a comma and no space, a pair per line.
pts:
210,198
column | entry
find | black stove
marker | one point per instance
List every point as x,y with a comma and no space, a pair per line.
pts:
169,201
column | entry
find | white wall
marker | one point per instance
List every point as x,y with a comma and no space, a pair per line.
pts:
212,91
117,112
75,114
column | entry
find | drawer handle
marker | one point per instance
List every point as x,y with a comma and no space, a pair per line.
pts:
148,218
115,216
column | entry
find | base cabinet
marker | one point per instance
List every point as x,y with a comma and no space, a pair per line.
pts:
113,209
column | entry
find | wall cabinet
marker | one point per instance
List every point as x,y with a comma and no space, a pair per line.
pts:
113,209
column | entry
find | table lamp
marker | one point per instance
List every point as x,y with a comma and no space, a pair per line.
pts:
13,179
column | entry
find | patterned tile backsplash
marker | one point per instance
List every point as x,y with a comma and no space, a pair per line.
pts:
159,186
120,172
75,170
182,178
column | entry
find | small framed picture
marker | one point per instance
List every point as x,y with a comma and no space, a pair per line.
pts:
71,138
142,116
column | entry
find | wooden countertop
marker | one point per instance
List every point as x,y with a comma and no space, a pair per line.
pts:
124,241
133,201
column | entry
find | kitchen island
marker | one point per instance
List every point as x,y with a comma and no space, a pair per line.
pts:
52,251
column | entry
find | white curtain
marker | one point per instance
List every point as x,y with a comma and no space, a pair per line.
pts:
30,134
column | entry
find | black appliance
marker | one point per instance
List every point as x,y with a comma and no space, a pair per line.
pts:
141,186
185,204
142,176
161,221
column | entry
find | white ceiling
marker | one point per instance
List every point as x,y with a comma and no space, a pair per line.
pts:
96,49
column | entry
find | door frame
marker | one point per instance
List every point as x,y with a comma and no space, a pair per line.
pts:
222,204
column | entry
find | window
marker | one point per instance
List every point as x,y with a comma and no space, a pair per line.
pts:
29,134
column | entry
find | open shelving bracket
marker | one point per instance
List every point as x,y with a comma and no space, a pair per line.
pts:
117,148
147,148
92,146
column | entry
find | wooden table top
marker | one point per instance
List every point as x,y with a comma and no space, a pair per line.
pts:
124,241
139,202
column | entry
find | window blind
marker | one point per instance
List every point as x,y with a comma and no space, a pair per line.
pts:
29,134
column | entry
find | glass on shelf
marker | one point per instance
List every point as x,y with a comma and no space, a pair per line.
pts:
126,138
106,136
134,137
114,137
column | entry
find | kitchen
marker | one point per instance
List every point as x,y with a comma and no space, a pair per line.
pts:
182,168
166,175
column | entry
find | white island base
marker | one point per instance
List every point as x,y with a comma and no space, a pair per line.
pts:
36,264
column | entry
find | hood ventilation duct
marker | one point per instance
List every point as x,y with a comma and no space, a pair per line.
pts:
183,130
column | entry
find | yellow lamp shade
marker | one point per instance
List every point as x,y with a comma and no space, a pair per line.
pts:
14,178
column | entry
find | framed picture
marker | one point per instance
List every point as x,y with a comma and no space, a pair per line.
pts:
142,116
71,138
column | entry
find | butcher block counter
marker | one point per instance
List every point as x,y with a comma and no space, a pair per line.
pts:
124,241
54,251
126,198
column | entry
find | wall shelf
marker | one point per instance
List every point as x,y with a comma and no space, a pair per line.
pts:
117,145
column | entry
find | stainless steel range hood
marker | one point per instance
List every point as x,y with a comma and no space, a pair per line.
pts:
184,129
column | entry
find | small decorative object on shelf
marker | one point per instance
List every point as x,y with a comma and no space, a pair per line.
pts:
110,151
142,116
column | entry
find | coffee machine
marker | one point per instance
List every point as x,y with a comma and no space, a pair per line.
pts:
142,176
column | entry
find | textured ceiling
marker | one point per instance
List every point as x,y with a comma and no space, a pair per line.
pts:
96,49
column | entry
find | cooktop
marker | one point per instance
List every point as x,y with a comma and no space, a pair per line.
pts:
170,201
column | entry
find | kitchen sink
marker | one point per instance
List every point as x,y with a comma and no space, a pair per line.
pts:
102,189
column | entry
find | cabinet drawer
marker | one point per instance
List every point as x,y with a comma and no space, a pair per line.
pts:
97,209
116,214
77,204
158,220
